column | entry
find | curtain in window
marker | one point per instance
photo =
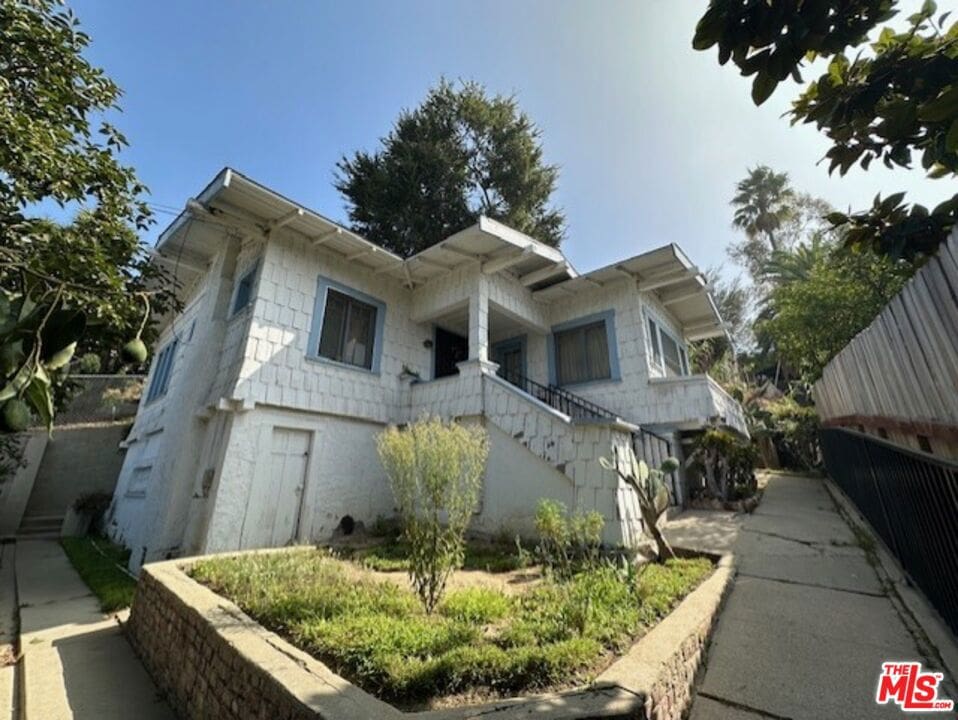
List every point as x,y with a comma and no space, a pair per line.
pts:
358,345
334,319
597,351
582,354
349,330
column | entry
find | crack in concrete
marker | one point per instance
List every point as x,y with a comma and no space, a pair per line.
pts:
814,585
743,707
779,536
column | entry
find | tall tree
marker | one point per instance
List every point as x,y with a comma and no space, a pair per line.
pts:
85,282
763,202
824,296
899,99
459,155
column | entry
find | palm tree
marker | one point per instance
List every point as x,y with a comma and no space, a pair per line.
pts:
763,201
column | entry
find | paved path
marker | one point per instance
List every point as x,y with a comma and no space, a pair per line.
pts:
76,662
807,624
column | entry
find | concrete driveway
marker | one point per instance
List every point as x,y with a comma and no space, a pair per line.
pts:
808,622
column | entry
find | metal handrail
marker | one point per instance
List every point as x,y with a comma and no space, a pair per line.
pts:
560,399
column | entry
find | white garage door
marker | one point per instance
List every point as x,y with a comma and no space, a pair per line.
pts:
273,512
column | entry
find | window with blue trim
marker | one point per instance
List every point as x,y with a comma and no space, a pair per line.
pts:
162,369
347,327
582,354
668,353
244,290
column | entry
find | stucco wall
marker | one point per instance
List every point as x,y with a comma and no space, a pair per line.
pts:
343,475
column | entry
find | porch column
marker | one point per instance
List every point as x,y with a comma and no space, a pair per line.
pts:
479,322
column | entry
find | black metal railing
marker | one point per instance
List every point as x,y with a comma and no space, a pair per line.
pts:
911,500
560,399
651,447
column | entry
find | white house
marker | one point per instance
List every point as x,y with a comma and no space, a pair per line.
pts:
299,341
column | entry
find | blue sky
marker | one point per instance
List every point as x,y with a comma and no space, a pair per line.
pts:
650,135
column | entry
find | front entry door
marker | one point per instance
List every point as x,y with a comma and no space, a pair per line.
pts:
510,356
276,496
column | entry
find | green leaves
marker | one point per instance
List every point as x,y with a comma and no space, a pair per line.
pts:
893,104
56,149
459,155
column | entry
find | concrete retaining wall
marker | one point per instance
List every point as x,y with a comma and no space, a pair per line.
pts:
213,661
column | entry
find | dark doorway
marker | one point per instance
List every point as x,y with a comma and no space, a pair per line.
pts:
450,349
511,357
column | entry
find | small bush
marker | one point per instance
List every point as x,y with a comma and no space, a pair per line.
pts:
567,543
435,469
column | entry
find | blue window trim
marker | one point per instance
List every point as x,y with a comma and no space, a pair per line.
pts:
608,317
250,272
323,284
519,341
162,370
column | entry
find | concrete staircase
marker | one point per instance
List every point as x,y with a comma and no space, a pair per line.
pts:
40,527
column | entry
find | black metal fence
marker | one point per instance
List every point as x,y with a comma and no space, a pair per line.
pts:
560,399
911,500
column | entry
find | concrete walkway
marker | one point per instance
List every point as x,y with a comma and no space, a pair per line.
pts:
808,622
76,662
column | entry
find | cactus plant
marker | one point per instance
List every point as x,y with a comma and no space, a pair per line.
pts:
649,486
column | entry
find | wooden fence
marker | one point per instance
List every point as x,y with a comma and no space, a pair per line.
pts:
898,378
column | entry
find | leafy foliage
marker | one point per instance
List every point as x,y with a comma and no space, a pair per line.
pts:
649,486
823,298
378,635
459,155
791,426
435,469
728,464
88,282
393,556
567,543
899,99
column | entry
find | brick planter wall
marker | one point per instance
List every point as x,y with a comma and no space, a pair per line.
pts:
213,661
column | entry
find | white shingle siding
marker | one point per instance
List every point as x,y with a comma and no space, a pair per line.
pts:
246,373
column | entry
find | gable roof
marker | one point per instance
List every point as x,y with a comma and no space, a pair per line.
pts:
237,202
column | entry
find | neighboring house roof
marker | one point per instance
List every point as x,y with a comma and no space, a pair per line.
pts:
234,200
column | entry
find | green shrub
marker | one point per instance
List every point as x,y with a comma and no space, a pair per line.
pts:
567,543
475,605
435,469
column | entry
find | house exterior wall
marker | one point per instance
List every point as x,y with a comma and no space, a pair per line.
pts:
343,475
239,374
277,368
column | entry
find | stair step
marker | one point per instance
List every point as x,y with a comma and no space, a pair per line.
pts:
40,524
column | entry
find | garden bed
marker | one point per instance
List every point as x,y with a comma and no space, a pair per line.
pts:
484,641
211,659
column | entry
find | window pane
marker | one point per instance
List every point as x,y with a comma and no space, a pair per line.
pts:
582,354
243,292
570,356
670,352
597,351
360,329
685,362
654,336
334,319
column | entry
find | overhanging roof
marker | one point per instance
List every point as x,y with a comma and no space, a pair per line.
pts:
667,273
239,203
